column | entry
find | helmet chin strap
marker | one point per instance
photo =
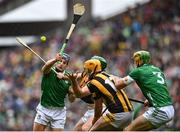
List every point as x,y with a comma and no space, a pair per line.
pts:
84,80
95,69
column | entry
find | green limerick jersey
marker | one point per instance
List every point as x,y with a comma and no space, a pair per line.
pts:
54,90
152,83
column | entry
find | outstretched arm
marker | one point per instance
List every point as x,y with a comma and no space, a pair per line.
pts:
79,92
121,83
97,110
71,95
47,67
61,75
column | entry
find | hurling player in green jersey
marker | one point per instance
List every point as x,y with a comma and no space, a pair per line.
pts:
51,110
151,81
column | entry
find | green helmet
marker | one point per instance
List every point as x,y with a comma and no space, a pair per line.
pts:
143,56
102,60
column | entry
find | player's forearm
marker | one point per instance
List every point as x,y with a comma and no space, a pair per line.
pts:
97,110
71,96
96,117
123,82
77,90
119,82
47,67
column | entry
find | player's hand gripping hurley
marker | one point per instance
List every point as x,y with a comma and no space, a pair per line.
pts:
78,11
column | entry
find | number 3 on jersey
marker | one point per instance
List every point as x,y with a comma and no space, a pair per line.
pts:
160,77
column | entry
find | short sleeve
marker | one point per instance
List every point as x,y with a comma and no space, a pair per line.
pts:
134,74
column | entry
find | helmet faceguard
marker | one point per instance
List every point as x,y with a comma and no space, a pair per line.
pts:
84,80
141,57
92,66
66,57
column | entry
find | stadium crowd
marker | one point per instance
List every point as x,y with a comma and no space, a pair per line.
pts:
153,26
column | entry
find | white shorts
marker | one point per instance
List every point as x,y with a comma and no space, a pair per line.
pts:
55,117
89,113
159,116
118,120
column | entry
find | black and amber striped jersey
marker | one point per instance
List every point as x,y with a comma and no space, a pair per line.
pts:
115,100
